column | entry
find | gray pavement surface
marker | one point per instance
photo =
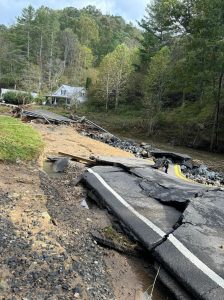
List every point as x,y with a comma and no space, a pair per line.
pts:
179,222
124,162
50,116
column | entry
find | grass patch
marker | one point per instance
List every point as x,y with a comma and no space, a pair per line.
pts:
5,109
119,122
18,140
118,238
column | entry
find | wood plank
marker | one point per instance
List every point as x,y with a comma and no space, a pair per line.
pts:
79,158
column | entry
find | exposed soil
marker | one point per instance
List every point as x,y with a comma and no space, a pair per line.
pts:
47,251
67,139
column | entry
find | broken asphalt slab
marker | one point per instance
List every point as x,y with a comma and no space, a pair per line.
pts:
123,162
174,156
47,115
120,192
202,234
187,249
167,189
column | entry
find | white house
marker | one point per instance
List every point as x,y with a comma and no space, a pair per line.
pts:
68,95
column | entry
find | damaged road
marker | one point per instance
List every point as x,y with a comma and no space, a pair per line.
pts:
180,223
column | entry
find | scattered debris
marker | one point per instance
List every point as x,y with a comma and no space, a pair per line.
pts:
126,145
84,204
16,112
110,238
202,174
85,120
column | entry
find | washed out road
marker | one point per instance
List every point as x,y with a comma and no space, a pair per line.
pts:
179,222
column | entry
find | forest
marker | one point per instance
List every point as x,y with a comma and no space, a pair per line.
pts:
165,74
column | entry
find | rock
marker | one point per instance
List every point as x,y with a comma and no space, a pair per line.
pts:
144,153
158,164
106,136
76,181
77,290
183,168
83,118
188,164
202,170
3,285
61,165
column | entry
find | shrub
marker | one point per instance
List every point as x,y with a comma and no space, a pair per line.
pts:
17,98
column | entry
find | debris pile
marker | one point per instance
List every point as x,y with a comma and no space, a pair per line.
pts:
139,150
202,174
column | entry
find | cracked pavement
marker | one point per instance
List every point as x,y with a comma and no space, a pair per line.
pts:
180,223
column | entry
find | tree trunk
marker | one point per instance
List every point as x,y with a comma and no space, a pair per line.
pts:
107,92
117,98
41,62
28,45
183,98
51,61
214,136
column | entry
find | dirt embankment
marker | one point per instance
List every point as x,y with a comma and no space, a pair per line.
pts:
67,139
46,247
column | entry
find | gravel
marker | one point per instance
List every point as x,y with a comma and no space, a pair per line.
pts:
59,262
139,150
88,262
202,174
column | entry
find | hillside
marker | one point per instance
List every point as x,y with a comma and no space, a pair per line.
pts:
165,76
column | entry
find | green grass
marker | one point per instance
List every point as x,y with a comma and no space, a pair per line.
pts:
18,140
120,122
118,238
4,109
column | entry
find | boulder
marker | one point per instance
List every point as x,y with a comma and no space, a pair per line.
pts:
61,165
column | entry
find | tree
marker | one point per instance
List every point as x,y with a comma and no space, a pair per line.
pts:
114,73
88,31
26,25
155,83
123,68
105,84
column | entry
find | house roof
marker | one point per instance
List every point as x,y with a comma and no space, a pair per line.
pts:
70,91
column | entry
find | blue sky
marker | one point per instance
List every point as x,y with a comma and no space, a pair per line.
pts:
131,10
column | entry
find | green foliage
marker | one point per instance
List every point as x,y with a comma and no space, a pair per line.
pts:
18,141
39,99
188,72
17,98
114,73
47,47
172,70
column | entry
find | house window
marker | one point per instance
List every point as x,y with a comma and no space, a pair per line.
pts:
63,92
